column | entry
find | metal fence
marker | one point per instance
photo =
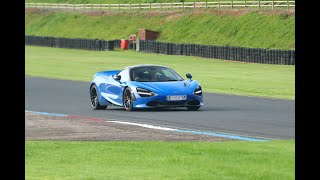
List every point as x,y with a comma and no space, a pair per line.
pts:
243,54
214,4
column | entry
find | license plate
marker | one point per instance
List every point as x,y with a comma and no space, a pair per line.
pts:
176,98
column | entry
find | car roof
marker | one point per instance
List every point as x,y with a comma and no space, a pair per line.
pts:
144,65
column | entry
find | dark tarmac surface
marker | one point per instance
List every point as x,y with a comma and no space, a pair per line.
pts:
240,115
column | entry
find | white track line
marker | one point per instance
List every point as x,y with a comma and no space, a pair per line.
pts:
144,125
217,134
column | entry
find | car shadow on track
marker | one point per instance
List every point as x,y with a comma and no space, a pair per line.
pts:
148,110
206,109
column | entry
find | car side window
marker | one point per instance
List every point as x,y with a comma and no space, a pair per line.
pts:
124,75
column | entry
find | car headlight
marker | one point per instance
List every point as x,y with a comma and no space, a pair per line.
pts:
145,92
198,91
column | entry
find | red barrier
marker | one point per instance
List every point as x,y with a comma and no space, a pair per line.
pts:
124,44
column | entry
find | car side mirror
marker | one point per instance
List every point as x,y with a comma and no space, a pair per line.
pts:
189,76
117,77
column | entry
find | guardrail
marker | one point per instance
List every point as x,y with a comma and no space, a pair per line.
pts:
72,43
243,54
218,4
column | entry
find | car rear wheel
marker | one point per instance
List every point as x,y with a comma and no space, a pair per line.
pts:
94,98
193,108
127,100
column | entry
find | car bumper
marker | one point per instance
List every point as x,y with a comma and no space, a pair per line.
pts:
160,101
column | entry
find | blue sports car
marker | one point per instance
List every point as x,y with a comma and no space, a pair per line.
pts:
144,86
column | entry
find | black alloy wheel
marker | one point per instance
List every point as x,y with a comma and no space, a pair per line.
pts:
127,100
94,98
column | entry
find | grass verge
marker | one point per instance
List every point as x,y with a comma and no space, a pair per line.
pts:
214,75
160,160
236,28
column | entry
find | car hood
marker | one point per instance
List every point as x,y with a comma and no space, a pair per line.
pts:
171,87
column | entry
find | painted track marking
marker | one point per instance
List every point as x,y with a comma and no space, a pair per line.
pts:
230,136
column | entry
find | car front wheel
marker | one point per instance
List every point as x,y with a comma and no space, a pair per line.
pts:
127,100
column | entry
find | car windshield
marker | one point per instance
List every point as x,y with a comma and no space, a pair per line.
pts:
154,74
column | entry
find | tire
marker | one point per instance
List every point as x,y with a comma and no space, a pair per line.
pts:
193,108
94,98
127,99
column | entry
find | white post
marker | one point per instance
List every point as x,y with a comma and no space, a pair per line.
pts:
272,4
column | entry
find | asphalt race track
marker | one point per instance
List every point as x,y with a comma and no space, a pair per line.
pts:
240,115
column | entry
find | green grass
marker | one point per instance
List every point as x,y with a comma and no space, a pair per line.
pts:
160,160
250,29
214,75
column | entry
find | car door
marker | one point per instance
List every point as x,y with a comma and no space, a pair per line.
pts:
115,88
